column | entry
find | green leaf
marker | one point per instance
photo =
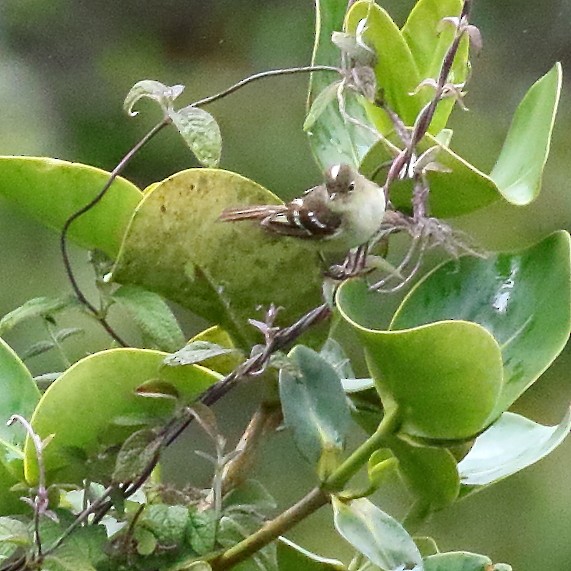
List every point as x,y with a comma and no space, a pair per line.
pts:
375,534
332,138
213,268
443,378
51,191
225,363
293,557
153,316
201,531
334,354
251,494
523,299
315,408
196,352
155,90
167,523
13,534
102,387
200,132
426,545
327,96
37,307
519,168
135,455
83,550
146,541
511,444
457,561
431,474
462,190
428,46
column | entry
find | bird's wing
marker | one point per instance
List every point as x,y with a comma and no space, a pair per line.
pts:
257,212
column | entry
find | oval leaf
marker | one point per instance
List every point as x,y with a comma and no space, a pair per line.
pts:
151,89
51,191
523,299
444,379
315,408
520,165
375,534
177,247
101,388
200,132
511,444
458,561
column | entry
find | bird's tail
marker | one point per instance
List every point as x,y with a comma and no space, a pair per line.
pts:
250,212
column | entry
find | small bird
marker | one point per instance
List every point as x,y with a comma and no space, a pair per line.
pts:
342,213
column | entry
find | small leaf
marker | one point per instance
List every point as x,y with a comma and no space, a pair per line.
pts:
293,557
375,534
315,408
426,545
37,307
334,354
457,561
197,352
167,523
201,531
135,455
36,349
145,540
511,444
152,315
357,385
158,389
154,90
200,132
519,168
223,364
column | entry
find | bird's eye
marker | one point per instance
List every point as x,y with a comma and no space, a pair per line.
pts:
351,186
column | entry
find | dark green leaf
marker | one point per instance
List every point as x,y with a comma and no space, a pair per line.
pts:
152,315
293,557
201,531
315,408
375,534
523,299
155,90
146,541
37,307
519,168
511,444
167,523
200,132
135,455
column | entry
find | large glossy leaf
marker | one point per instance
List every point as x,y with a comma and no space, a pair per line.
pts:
315,408
444,378
51,190
430,473
511,444
375,534
523,299
332,138
93,406
519,169
224,272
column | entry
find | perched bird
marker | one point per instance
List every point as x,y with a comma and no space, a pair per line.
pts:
342,213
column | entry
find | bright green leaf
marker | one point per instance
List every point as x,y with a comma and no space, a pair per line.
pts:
152,315
426,545
223,364
108,379
293,557
327,96
519,168
443,378
315,408
200,132
177,247
523,299
375,534
511,444
51,191
201,531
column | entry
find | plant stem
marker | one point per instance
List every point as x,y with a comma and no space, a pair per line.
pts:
361,455
271,530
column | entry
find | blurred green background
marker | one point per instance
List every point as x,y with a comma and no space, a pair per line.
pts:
65,67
